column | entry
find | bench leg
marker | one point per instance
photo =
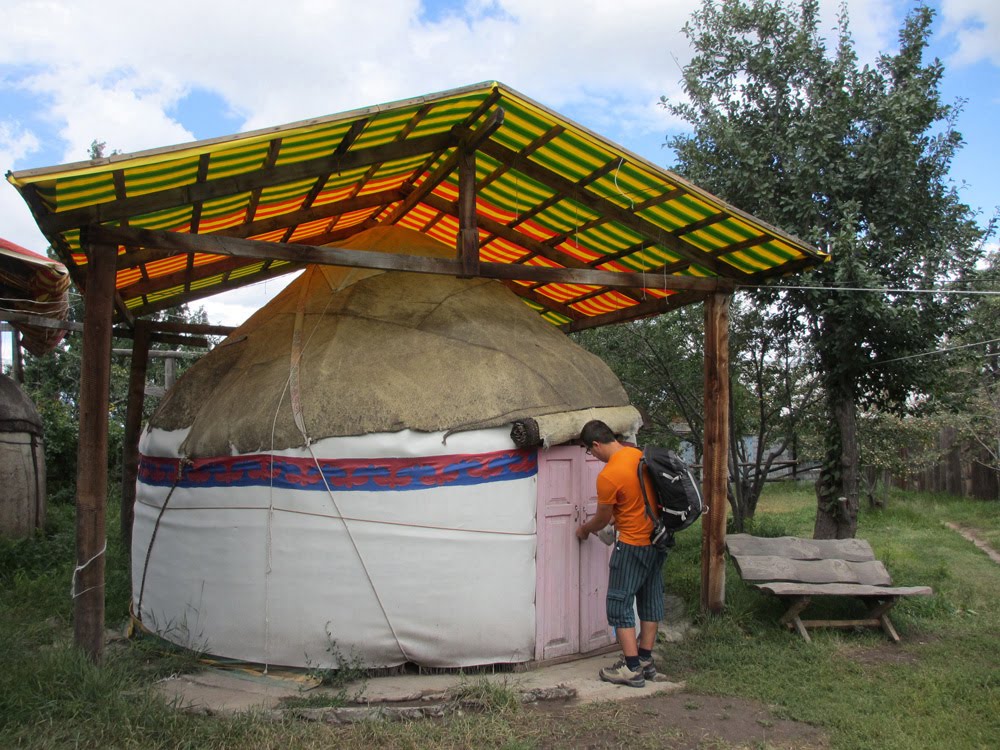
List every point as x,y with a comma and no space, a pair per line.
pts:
880,612
791,618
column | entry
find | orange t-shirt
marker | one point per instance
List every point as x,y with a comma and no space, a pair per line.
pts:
618,486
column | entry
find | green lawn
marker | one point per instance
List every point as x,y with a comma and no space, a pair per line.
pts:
939,688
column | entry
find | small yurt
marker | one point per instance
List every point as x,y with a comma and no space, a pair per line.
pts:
378,466
22,463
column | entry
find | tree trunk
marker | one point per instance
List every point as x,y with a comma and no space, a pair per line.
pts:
837,486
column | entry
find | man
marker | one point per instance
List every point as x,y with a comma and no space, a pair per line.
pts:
635,577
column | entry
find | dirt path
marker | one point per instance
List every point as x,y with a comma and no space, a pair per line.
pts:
676,721
972,537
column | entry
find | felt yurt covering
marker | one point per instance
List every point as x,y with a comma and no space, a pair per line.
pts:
22,463
338,477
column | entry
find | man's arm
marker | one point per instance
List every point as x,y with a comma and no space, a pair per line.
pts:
600,519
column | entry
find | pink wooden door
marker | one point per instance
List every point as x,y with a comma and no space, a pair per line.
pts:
571,576
594,557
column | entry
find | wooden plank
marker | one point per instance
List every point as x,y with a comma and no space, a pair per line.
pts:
772,568
55,223
798,548
754,568
92,455
715,474
779,588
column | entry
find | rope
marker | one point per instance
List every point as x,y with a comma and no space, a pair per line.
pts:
361,559
152,538
292,384
80,568
631,203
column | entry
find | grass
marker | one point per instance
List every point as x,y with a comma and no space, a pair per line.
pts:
940,687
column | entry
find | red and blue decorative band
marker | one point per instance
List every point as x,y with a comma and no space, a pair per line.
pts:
339,474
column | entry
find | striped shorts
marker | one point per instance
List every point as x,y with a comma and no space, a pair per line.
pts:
636,575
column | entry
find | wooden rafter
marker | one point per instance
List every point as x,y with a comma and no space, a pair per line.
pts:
602,205
642,310
469,142
148,308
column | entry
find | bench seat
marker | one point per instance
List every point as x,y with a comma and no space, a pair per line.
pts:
798,570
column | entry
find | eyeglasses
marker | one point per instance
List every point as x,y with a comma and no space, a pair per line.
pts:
587,451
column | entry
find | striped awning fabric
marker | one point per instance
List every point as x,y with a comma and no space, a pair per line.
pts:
549,194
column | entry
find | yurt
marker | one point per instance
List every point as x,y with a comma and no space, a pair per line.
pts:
22,463
378,465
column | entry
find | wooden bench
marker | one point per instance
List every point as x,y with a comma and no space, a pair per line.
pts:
799,570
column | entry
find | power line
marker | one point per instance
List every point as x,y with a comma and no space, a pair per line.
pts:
938,351
883,290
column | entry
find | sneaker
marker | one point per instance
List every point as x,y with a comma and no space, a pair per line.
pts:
648,668
620,674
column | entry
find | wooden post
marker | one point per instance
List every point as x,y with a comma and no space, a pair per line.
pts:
92,456
17,361
468,228
715,460
133,425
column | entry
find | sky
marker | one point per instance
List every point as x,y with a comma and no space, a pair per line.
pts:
139,74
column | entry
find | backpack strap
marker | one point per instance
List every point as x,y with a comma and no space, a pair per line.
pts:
642,486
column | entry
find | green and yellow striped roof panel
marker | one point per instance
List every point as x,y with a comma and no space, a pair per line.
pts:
560,196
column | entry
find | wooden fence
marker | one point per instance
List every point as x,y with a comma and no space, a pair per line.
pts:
962,470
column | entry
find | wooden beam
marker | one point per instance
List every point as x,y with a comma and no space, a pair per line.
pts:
92,456
147,308
228,246
176,339
641,310
185,277
468,231
327,210
526,292
54,223
133,426
203,329
468,141
39,321
603,206
715,459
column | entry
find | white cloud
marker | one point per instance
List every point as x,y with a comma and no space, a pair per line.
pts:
116,69
976,27
16,222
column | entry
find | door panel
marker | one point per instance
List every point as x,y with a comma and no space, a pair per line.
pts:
572,577
594,557
557,565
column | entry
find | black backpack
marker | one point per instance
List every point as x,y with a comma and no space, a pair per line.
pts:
677,496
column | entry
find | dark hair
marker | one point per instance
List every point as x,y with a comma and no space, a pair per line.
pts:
596,431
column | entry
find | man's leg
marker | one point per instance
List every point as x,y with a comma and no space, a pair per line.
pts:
624,578
626,639
647,634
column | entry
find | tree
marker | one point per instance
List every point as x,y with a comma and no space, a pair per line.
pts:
52,381
855,160
661,364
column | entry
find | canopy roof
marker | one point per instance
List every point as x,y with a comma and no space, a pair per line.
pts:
32,285
582,230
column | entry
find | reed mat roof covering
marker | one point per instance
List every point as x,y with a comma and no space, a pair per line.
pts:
583,231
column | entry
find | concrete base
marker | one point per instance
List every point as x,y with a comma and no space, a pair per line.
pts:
232,691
